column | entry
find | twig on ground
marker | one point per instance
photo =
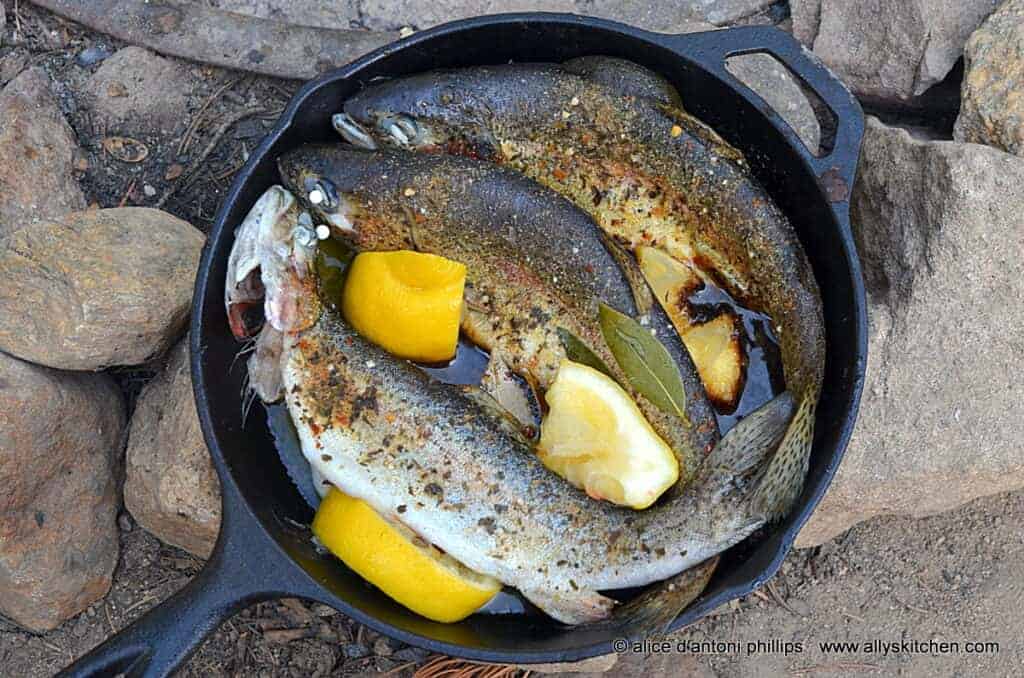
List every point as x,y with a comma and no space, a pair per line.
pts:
186,138
127,193
205,153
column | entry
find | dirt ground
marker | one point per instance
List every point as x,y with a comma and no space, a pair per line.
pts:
955,578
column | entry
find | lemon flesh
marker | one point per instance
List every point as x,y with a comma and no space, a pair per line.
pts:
714,345
408,303
398,562
595,437
718,355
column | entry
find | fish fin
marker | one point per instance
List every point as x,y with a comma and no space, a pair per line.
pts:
642,295
744,450
511,392
571,607
651,612
264,365
783,478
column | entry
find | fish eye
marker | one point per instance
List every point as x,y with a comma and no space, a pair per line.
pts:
401,128
321,193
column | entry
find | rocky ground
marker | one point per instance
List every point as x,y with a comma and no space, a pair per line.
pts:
113,160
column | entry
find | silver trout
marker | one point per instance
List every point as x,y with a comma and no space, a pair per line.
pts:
444,461
536,265
647,172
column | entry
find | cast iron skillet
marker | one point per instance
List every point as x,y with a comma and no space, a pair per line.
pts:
264,551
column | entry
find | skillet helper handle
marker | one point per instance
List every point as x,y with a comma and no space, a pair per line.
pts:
245,567
835,169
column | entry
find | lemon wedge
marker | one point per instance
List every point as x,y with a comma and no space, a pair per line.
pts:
714,345
398,562
595,437
409,303
718,356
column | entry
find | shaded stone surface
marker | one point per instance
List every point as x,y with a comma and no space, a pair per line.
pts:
395,14
992,93
38,151
97,288
136,90
170,486
60,444
885,49
938,226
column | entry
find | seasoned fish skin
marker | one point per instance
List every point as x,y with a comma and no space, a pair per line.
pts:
441,459
649,174
534,261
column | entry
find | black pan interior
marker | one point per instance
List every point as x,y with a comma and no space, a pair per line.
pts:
246,451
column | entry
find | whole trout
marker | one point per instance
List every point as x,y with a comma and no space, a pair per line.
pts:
647,172
536,265
446,462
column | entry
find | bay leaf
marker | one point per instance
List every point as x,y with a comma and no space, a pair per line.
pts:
578,352
645,362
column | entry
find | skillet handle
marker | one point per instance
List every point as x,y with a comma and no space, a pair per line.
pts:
837,168
246,567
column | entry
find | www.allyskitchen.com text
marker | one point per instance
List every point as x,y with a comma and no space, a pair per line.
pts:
777,646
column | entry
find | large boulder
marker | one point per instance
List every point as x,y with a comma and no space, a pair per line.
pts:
38,151
395,14
885,49
136,92
170,486
97,288
656,15
60,445
992,94
938,227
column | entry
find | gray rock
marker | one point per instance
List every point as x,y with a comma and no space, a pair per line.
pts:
136,92
396,14
770,79
97,288
889,49
38,151
92,55
60,444
324,13
13,63
992,108
805,15
170,485
938,226
655,15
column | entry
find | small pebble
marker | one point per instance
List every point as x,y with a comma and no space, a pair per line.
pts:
124,521
91,56
148,190
355,651
406,31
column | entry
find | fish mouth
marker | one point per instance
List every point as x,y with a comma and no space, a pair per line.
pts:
401,129
352,132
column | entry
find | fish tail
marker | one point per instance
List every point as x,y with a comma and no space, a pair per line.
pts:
783,478
744,450
651,612
737,457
